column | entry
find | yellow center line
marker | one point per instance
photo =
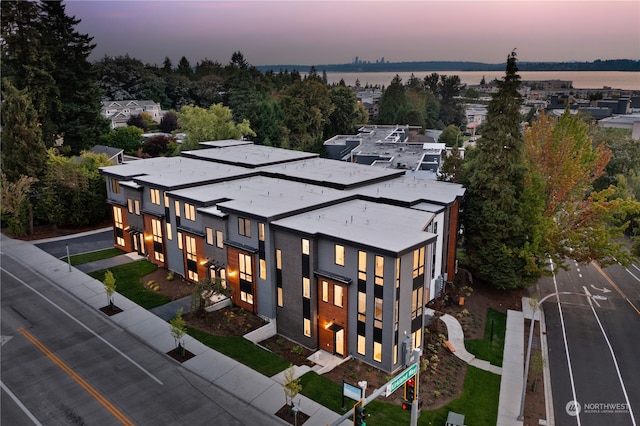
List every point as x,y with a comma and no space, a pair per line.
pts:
615,286
86,386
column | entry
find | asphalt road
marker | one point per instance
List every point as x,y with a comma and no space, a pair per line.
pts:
593,345
78,244
64,363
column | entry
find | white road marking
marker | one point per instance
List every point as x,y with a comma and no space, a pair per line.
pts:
19,403
566,345
589,298
615,362
84,326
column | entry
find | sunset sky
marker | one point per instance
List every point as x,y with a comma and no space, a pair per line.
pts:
272,32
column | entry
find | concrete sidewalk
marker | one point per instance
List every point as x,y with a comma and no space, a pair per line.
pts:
262,392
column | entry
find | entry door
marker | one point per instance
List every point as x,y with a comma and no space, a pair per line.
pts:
339,342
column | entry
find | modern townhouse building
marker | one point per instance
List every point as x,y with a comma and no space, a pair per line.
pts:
342,256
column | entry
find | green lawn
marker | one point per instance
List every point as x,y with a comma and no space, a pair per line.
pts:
478,402
79,259
243,351
129,283
491,348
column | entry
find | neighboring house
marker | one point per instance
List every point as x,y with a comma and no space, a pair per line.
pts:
114,154
119,112
342,256
628,121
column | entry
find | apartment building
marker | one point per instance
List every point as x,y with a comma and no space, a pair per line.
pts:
341,256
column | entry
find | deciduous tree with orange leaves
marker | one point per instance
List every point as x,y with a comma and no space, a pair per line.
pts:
564,217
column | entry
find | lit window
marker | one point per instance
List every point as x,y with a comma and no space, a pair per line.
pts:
306,288
362,265
180,240
115,186
136,204
209,232
325,291
377,351
362,345
118,225
280,299
169,232
417,338
130,205
158,252
362,306
305,246
246,278
177,206
417,301
192,258
278,259
189,212
166,200
244,227
155,196
338,296
307,327
379,277
377,312
418,262
219,239
339,255
263,269
261,231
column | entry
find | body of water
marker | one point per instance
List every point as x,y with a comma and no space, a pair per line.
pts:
580,79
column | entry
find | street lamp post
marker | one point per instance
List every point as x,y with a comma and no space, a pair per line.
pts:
528,357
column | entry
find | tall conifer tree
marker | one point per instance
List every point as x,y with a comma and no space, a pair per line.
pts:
493,228
81,122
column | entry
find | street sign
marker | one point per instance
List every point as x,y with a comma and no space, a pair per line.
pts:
400,379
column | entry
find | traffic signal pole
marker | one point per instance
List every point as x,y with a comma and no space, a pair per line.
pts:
414,404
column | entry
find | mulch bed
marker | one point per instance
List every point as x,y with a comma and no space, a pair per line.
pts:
175,354
285,414
108,310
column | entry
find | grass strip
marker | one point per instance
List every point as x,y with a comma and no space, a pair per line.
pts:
79,259
491,347
243,351
129,283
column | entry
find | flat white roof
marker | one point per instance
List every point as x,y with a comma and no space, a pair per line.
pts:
249,155
413,190
380,226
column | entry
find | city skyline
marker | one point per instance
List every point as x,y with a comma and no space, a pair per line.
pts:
330,32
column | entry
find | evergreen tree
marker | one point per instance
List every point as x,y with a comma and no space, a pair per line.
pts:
391,101
493,227
184,68
27,63
23,151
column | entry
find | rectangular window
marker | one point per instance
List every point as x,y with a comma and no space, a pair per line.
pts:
339,255
158,252
136,206
307,327
377,351
397,272
417,338
362,265
246,278
176,204
379,277
306,288
155,196
118,225
325,291
261,231
169,232
377,313
418,262
417,302
244,227
305,246
115,185
219,239
263,269
189,211
280,299
278,259
362,345
130,205
180,240
209,238
338,296
166,200
192,258
362,306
